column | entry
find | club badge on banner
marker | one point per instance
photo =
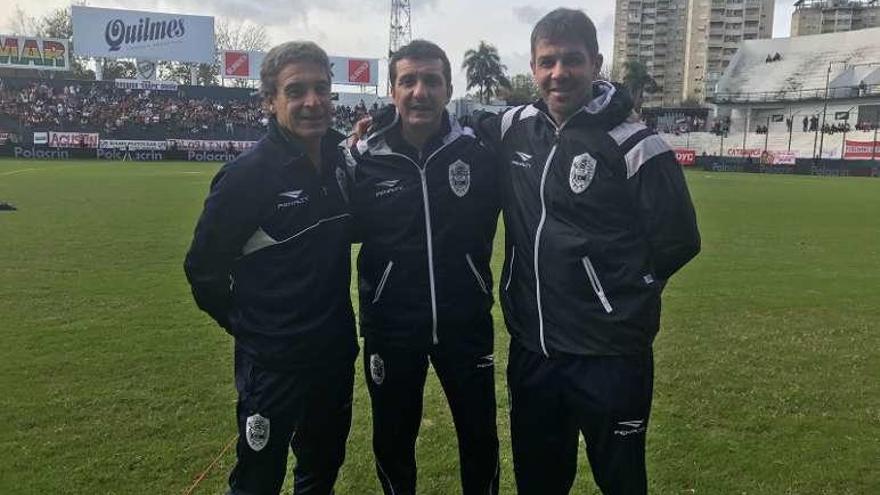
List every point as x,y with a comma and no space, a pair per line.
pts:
345,70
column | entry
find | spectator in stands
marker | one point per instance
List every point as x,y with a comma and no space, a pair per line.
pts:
806,123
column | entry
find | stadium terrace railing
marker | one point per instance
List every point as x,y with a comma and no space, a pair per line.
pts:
796,95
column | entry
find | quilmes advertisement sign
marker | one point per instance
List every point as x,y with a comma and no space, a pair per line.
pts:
113,33
25,52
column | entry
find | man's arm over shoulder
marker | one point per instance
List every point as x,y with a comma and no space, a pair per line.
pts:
229,218
662,199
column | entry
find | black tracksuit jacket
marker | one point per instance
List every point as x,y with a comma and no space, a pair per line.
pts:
597,217
427,224
270,258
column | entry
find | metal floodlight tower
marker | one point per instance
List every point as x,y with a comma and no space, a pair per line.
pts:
401,28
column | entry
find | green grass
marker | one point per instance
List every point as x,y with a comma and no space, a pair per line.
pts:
111,381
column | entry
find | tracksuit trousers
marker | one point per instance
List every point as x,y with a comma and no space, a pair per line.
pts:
607,399
396,381
307,410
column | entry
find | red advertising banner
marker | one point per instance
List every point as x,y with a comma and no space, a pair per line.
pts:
236,64
73,139
685,157
359,71
862,149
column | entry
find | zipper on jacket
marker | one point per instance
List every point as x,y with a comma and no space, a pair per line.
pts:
382,281
556,138
428,234
480,280
597,285
510,270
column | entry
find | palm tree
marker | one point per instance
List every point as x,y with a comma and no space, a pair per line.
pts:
485,71
637,79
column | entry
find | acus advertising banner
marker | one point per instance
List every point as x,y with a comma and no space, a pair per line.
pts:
25,52
73,139
346,70
113,33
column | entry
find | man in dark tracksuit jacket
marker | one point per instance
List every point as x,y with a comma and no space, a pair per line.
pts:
597,218
270,262
426,215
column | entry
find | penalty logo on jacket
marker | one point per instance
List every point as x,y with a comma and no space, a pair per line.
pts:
460,178
583,168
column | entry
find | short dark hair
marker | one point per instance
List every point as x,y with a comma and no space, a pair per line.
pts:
419,50
566,25
285,54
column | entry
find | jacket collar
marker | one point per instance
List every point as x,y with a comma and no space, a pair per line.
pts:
611,105
376,142
293,145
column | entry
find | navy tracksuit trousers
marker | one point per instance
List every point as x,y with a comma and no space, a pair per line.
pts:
396,381
307,410
553,400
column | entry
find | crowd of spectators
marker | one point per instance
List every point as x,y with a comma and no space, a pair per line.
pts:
129,114
118,113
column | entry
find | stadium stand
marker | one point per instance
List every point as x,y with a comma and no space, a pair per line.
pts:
190,112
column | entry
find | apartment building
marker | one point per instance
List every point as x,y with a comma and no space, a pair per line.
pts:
685,44
833,16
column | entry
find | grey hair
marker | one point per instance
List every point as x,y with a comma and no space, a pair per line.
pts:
282,55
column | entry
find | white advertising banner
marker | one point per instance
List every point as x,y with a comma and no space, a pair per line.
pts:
27,52
132,144
113,33
209,145
145,85
41,138
346,70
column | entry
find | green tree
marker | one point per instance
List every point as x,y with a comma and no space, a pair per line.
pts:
638,81
522,90
485,71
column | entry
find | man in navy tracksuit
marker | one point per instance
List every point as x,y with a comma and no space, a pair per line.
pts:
270,262
597,218
424,197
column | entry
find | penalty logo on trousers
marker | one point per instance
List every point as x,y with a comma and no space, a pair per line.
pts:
257,432
377,369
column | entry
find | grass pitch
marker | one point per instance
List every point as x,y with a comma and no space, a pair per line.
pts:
111,380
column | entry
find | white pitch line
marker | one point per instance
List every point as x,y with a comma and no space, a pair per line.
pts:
18,171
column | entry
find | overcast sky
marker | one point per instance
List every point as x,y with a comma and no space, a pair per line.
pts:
360,27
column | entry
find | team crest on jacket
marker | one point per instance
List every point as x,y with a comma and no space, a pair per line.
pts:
257,432
583,167
377,369
460,178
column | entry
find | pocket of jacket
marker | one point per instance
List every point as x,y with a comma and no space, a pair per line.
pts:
596,283
382,282
479,278
510,268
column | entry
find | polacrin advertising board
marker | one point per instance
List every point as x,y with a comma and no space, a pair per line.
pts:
113,33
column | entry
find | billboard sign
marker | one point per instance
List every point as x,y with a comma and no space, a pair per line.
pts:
73,139
27,52
346,70
862,150
686,157
113,33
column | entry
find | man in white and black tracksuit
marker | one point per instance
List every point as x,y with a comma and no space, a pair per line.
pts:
597,218
425,204
270,262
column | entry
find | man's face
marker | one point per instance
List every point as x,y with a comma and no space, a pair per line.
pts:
564,72
420,92
302,103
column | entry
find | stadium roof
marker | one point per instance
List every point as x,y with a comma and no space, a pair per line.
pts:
803,67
